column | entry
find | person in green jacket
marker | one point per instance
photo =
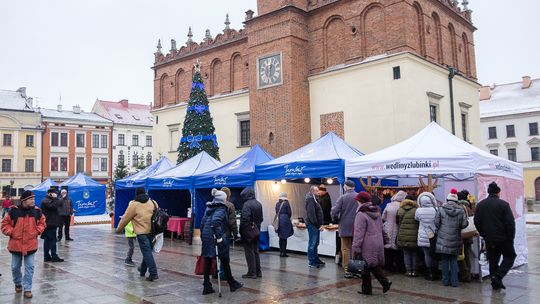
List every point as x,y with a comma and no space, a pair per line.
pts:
131,236
407,237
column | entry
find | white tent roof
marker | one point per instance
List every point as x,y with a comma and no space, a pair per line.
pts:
433,150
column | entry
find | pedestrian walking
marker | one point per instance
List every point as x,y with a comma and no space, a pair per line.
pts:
495,222
368,243
251,218
344,213
23,225
425,215
407,238
394,261
314,221
285,228
6,204
232,231
140,212
65,211
450,219
49,206
214,230
131,237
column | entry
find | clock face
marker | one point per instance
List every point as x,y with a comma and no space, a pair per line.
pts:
270,70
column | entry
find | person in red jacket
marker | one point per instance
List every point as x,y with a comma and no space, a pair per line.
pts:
23,225
6,204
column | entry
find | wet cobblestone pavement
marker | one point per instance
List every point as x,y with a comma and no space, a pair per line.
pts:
94,272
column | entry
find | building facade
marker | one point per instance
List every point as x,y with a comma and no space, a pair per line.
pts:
509,118
374,72
76,141
132,132
20,149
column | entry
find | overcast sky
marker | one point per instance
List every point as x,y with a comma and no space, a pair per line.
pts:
83,50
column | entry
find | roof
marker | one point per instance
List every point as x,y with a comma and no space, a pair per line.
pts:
123,112
15,100
70,115
507,99
139,179
81,180
433,150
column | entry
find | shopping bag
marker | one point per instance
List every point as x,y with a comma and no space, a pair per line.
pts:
199,266
158,242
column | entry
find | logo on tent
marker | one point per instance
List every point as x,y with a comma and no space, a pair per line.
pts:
220,180
129,184
498,166
86,194
85,205
408,165
294,171
167,183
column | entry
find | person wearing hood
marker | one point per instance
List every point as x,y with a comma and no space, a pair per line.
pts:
314,222
49,206
326,204
285,228
407,238
344,213
450,219
252,213
425,215
495,222
393,254
214,231
232,232
464,266
139,212
368,242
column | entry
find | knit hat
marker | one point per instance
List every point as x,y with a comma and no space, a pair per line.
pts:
27,194
282,196
453,195
51,190
227,191
493,188
462,195
398,197
322,187
350,184
139,190
363,197
219,195
63,191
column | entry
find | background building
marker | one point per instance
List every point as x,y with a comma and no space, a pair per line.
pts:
373,72
20,135
509,116
132,132
76,141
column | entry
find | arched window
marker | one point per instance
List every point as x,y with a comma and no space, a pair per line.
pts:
216,77
438,37
374,30
237,72
335,41
179,86
466,55
453,45
421,36
163,89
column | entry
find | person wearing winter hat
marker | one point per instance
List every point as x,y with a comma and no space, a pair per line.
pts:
425,215
285,227
252,214
23,224
49,206
65,211
449,220
232,232
344,213
407,237
495,222
464,266
214,231
394,261
139,212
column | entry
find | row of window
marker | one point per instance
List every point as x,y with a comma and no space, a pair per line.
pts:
60,139
511,131
60,164
135,159
28,165
7,140
512,153
134,140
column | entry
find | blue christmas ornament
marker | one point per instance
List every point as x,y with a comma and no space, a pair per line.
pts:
200,109
197,85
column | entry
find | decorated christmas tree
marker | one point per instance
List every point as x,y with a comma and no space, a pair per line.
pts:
198,130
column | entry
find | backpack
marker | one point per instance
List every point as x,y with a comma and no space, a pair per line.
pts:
159,220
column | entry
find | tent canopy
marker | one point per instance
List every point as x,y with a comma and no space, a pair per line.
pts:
181,176
81,180
322,158
433,150
88,196
237,173
139,179
40,191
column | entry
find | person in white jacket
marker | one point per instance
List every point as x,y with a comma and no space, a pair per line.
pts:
425,215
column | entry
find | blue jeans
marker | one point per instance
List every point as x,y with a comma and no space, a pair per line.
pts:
16,264
449,261
313,244
145,243
410,257
49,243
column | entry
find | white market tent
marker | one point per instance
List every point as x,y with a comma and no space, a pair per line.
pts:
434,151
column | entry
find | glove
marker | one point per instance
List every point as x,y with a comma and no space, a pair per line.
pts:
218,241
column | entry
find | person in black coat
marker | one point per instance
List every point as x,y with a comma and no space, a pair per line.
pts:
49,207
326,204
314,222
495,222
251,214
214,230
285,228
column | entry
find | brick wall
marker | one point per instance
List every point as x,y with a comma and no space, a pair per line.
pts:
333,122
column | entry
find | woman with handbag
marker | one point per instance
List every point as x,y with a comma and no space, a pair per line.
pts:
368,243
425,215
464,266
282,223
250,227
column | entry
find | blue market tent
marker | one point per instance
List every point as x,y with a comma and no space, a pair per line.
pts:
88,196
40,191
235,175
124,189
173,189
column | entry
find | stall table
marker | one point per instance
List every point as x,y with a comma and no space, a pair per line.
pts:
299,241
176,224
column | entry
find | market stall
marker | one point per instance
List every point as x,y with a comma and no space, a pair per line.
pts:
87,195
40,191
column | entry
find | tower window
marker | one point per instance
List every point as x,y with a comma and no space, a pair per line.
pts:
397,72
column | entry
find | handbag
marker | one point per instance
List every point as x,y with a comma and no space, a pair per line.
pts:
199,266
357,266
251,232
432,236
461,255
469,231
275,223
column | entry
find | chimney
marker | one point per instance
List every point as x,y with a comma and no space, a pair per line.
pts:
59,107
485,93
124,103
22,91
526,82
77,109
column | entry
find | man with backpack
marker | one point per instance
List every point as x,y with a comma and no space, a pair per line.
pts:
23,224
141,213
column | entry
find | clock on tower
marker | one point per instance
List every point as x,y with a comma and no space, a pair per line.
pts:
269,70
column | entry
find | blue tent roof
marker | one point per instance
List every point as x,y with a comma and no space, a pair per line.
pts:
323,158
81,180
181,176
139,179
45,185
238,173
